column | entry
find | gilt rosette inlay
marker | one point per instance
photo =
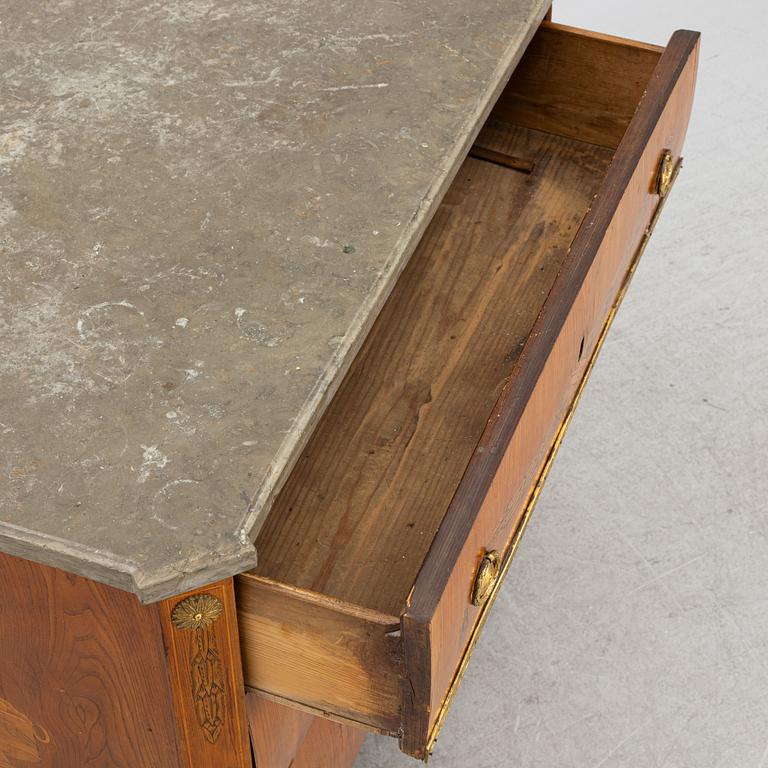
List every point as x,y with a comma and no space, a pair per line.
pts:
196,612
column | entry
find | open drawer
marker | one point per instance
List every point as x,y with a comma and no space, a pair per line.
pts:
386,547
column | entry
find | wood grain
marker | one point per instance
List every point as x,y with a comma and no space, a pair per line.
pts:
277,731
579,84
207,684
358,513
484,512
320,653
83,682
329,745
284,737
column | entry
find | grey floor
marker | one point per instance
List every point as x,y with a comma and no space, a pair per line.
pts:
632,629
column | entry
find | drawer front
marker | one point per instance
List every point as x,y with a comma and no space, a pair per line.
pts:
491,507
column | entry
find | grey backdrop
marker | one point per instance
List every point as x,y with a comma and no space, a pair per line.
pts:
632,629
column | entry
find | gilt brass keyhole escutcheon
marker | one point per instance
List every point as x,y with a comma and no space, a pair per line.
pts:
487,573
666,171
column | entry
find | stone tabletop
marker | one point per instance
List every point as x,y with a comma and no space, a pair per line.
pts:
203,206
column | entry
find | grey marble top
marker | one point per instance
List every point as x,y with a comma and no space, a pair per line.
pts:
203,206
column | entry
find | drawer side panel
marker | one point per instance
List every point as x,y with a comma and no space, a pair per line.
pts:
321,654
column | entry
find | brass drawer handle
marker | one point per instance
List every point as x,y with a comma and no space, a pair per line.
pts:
487,573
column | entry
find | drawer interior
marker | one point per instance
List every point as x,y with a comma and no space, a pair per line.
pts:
359,512
340,552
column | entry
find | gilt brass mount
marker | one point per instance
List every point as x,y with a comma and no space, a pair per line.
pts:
196,612
487,573
666,171
207,680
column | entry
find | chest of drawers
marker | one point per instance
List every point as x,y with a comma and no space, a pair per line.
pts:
383,546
